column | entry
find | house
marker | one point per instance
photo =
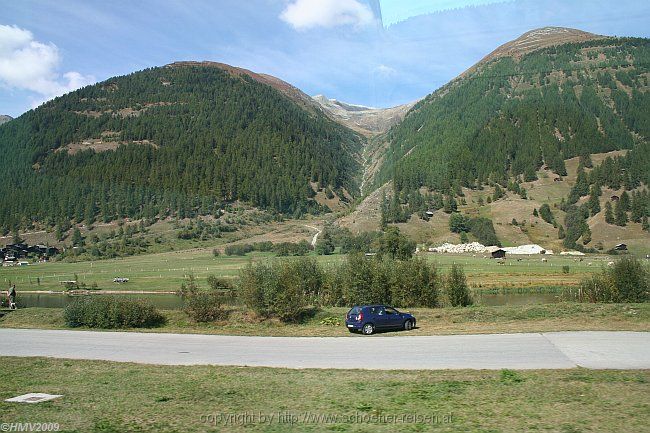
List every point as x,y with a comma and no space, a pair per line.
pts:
557,179
429,213
496,252
621,247
615,198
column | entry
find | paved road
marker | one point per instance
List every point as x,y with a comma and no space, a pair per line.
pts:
598,350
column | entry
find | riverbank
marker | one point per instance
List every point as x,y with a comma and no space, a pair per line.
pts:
563,316
101,396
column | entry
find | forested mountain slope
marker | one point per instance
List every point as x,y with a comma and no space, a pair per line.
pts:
175,140
513,114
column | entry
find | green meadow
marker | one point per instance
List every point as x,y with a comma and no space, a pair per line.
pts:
166,271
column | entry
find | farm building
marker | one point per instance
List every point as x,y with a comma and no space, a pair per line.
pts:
621,247
497,253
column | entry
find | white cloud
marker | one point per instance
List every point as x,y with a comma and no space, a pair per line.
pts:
307,14
385,71
28,64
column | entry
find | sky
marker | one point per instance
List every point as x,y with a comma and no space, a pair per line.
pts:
378,53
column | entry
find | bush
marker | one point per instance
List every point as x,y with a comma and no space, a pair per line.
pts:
457,290
414,283
395,245
282,289
626,281
109,312
216,283
565,269
381,280
483,231
238,250
632,280
205,307
459,223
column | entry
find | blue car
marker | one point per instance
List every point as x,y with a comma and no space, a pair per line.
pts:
371,318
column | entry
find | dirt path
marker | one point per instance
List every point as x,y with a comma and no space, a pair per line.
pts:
315,238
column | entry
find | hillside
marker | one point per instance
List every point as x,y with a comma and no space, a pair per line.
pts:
512,115
522,119
176,140
365,120
4,118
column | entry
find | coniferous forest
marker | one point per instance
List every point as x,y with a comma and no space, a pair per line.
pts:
510,117
175,140
186,139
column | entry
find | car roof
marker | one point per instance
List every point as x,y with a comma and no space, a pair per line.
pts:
372,305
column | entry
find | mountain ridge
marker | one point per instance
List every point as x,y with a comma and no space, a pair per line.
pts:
368,121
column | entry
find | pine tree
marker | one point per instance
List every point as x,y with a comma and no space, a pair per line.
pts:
620,216
594,201
77,239
624,201
609,215
560,233
325,244
644,223
586,236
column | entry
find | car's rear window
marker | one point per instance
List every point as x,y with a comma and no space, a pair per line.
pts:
355,310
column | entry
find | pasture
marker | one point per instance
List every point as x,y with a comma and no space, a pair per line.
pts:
166,271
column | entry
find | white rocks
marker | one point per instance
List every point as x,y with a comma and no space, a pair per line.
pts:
472,247
571,253
475,247
525,250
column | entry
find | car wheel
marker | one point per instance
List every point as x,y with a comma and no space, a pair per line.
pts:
368,328
408,325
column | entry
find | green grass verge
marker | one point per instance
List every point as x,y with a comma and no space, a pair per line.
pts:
113,397
565,316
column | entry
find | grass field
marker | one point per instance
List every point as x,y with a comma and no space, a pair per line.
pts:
565,316
114,397
166,271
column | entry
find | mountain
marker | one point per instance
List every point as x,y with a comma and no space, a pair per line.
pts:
175,140
534,102
365,120
535,40
4,118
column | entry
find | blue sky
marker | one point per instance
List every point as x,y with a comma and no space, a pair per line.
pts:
371,52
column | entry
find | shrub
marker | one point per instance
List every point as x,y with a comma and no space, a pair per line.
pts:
565,269
457,290
415,283
626,281
546,214
188,287
459,223
109,312
597,288
238,250
395,245
632,280
483,231
205,307
282,289
216,283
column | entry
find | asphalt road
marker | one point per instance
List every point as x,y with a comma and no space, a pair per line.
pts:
554,350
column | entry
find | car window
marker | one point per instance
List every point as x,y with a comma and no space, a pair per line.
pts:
354,311
380,311
391,311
